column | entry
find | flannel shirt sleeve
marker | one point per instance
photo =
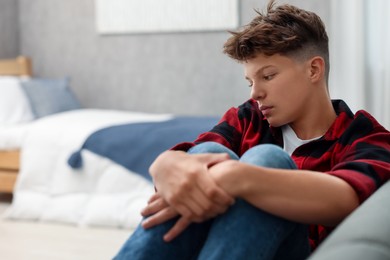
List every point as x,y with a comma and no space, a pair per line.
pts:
364,158
226,132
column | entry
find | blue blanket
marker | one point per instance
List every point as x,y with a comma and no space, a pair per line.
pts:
136,145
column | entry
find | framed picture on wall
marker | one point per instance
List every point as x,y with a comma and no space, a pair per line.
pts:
150,16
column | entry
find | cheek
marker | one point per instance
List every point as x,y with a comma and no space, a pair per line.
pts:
290,97
284,89
292,100
291,88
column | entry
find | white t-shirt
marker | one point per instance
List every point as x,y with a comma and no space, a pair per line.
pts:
292,141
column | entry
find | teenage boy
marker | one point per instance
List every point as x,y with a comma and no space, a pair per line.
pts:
276,174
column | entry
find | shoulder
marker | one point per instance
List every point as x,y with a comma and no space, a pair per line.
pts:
366,138
366,120
248,111
363,125
350,127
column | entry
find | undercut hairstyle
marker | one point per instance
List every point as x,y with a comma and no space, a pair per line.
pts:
285,30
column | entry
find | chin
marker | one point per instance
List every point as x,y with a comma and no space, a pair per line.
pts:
275,123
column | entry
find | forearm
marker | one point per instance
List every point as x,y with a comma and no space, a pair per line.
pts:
184,183
298,195
185,188
164,161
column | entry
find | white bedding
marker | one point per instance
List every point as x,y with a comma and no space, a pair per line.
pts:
11,136
101,193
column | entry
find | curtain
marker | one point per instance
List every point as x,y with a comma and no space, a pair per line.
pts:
360,57
378,59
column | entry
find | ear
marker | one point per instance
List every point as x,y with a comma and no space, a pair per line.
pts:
316,69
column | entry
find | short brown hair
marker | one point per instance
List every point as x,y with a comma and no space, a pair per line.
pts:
285,30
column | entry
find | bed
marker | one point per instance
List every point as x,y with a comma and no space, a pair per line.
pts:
9,159
81,166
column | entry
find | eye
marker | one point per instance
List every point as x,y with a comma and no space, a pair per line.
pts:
250,84
269,76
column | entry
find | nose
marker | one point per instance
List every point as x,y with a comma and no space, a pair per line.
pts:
257,93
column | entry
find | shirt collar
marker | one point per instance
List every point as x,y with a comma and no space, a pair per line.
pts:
343,119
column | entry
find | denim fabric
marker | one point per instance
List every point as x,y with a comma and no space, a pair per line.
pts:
243,232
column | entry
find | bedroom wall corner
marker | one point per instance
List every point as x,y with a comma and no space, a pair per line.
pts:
9,29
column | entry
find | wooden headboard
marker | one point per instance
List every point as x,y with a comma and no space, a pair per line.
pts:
21,66
9,160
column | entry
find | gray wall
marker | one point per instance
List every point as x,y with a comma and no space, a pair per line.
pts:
182,73
9,29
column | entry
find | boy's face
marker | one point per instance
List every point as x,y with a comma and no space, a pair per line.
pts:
281,86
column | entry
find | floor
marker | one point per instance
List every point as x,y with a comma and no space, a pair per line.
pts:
21,240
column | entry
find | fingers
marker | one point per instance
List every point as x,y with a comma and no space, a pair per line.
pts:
194,206
213,199
155,204
159,218
214,192
194,203
212,158
204,209
154,197
179,227
187,186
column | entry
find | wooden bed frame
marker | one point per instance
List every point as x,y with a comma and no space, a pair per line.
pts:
9,160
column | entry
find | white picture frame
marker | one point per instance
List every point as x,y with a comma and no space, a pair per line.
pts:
150,16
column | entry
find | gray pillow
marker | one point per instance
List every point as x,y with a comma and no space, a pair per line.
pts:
49,96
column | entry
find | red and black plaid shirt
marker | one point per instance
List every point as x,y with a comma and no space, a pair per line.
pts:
356,148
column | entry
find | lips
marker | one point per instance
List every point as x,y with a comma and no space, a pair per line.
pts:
266,110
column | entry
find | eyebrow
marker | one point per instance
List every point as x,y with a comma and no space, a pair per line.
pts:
259,71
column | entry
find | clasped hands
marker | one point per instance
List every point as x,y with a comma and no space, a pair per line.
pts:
193,187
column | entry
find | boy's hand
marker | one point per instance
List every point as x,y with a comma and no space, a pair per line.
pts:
227,176
159,211
184,182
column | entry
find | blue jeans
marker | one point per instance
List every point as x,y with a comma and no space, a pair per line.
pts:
242,232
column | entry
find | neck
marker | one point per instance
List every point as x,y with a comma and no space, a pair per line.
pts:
316,121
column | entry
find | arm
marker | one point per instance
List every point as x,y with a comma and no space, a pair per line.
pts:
184,187
182,180
178,176
298,195
158,211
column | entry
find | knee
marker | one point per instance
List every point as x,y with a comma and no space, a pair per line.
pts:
212,147
243,213
268,155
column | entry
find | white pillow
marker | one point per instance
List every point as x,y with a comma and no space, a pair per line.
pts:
14,105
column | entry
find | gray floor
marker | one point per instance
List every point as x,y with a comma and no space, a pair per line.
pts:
20,240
